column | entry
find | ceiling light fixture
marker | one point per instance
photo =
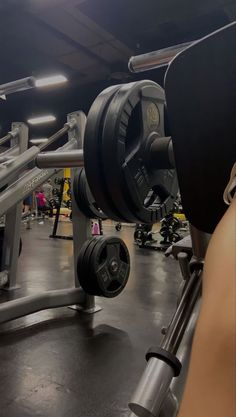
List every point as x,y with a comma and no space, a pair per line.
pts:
41,119
53,80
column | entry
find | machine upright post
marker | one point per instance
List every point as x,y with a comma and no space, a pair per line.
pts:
81,224
13,219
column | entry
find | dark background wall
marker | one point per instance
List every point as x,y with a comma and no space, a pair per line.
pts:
90,41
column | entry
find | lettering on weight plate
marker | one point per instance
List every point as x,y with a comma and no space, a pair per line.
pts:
153,115
32,184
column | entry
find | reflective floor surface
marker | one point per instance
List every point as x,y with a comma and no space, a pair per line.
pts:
61,363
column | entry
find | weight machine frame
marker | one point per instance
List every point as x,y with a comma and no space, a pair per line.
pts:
20,189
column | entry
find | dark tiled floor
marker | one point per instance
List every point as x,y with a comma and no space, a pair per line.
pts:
65,364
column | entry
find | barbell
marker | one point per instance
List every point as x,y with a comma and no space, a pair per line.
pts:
128,161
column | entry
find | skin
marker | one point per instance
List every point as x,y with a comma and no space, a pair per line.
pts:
211,384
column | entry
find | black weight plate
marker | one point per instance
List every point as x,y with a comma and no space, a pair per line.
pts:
135,114
94,288
200,87
84,198
83,264
107,251
92,153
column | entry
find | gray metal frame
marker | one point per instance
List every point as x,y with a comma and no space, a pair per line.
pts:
154,387
12,196
13,217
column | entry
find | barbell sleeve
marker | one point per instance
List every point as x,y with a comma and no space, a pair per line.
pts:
155,59
17,85
65,159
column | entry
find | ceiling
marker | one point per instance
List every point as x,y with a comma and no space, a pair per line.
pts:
90,41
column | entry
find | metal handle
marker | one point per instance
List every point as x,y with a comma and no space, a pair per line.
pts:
155,59
18,85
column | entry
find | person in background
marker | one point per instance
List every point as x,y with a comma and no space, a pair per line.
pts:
27,204
42,203
47,190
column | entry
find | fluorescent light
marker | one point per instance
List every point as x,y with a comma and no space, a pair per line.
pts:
38,141
41,119
53,80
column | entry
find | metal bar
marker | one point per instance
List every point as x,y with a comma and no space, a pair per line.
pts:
151,391
23,187
177,327
13,151
81,224
55,225
5,138
155,59
13,216
20,162
55,136
60,160
184,353
18,85
14,309
10,135
150,395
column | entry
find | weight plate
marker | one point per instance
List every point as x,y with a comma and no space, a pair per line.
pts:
110,266
134,117
103,266
94,167
84,198
83,265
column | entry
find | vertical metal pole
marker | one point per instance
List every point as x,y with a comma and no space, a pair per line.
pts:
55,225
13,219
81,224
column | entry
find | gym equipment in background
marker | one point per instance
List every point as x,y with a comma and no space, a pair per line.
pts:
60,192
143,234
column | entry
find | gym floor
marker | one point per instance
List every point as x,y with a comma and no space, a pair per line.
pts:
61,363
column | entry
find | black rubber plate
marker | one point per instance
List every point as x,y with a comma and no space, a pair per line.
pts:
94,167
135,112
84,198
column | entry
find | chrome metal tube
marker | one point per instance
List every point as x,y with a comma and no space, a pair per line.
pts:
18,85
155,59
151,391
66,159
14,309
180,320
155,382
